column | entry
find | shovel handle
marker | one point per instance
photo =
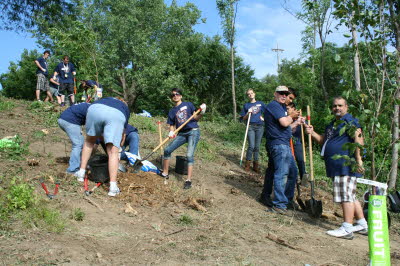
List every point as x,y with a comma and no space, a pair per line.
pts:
160,135
302,141
245,137
177,130
310,146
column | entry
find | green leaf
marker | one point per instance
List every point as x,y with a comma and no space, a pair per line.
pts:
347,35
337,57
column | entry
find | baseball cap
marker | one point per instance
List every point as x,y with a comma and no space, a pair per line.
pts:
281,88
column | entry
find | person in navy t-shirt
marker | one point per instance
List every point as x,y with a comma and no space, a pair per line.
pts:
190,133
92,90
344,175
256,129
71,121
42,74
66,72
278,132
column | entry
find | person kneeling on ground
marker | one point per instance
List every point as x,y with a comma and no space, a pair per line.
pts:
344,177
71,121
106,118
190,133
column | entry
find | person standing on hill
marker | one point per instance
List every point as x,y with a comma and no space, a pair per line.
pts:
71,121
54,88
255,131
66,72
190,133
278,132
344,176
42,74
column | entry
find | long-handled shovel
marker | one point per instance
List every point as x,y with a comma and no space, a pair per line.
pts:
298,198
245,137
138,163
314,207
306,176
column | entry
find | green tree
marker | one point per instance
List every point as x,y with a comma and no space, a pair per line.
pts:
227,10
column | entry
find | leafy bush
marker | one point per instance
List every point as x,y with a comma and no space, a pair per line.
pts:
6,105
20,196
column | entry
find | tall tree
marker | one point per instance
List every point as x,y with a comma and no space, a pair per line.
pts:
227,10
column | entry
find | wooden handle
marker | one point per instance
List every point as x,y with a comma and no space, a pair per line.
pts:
310,145
302,141
245,137
160,135
177,130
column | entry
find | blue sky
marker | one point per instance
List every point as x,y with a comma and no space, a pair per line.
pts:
261,25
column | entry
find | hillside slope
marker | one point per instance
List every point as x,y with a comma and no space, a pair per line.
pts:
218,221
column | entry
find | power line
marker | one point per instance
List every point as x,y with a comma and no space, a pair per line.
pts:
277,50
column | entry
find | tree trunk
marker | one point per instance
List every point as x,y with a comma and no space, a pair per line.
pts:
395,13
357,79
233,81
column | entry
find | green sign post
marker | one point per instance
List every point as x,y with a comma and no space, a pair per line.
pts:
378,231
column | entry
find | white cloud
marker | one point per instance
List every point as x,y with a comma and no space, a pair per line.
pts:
262,28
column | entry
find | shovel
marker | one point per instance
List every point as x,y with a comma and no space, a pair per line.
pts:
245,137
299,200
138,163
306,176
314,207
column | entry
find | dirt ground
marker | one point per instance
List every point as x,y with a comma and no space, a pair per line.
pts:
218,221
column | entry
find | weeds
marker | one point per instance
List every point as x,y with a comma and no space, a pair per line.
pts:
77,214
6,105
39,134
185,219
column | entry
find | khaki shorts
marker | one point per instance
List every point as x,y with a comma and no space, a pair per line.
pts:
344,188
42,83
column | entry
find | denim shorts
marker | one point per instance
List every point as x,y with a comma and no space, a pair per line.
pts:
106,121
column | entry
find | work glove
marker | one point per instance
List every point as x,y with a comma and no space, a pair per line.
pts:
203,108
250,110
171,135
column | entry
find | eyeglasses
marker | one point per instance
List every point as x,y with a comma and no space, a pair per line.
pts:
337,105
283,93
175,94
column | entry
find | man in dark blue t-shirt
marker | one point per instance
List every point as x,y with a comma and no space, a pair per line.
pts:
42,74
66,72
190,133
344,175
278,133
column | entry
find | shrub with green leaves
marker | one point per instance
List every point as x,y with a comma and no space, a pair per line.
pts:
20,196
6,105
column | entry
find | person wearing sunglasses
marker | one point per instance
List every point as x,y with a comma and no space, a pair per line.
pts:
256,129
190,133
280,159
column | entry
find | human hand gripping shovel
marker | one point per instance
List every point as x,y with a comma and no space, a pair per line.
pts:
314,207
138,163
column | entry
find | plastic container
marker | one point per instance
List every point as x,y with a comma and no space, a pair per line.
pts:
181,166
99,169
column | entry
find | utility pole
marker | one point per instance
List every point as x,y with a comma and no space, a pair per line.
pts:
277,50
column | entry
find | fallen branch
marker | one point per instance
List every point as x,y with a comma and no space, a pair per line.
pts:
93,203
280,241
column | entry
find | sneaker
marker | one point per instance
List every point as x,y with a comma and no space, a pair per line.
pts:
341,233
80,176
62,104
114,192
277,210
164,175
187,185
358,228
38,100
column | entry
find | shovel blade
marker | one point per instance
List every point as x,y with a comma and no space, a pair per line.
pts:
314,208
137,165
301,204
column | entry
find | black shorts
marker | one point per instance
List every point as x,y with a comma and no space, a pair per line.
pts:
69,87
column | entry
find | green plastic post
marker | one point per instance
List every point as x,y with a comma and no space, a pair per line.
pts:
378,231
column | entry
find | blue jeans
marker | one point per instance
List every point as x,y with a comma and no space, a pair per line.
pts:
191,137
75,135
254,136
280,176
132,140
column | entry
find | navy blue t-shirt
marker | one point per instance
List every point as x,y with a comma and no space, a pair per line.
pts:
65,72
179,114
333,145
274,132
297,136
129,129
76,114
259,108
91,83
117,104
43,63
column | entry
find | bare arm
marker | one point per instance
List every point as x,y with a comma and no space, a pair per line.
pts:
317,137
358,138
